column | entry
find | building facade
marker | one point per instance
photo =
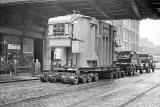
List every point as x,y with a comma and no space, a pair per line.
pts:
146,46
127,34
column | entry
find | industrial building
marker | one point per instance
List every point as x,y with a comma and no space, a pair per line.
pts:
127,34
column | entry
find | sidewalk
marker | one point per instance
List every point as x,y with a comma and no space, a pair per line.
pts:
6,78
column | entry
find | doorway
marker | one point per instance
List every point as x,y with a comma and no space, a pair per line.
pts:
38,50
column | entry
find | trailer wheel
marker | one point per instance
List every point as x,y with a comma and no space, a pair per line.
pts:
95,77
52,79
111,76
115,75
83,78
75,80
44,78
89,79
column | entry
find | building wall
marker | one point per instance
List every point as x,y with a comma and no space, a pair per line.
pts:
127,34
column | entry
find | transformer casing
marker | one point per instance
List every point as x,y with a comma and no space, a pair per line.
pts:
83,41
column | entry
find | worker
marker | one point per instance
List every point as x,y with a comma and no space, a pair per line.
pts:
37,67
32,68
2,64
15,67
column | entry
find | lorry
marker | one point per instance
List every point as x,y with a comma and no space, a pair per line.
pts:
82,47
148,62
129,61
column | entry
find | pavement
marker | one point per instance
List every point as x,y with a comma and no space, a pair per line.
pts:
6,78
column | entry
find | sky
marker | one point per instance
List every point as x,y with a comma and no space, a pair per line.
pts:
150,29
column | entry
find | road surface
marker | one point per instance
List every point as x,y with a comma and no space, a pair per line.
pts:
141,90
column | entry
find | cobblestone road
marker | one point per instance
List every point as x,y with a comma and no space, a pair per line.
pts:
104,93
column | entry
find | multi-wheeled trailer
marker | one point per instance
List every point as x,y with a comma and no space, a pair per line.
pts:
82,75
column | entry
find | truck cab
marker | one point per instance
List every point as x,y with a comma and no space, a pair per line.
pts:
147,61
129,62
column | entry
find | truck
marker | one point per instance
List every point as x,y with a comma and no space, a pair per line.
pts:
148,62
81,49
129,61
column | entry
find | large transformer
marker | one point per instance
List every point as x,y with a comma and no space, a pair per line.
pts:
81,41
82,49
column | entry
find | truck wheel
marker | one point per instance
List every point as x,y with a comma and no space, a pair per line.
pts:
122,74
129,70
133,72
129,73
152,69
95,77
147,70
141,71
115,75
119,74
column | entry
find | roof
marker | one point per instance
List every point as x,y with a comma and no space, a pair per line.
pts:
66,19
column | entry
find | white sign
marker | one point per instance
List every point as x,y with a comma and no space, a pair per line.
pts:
14,46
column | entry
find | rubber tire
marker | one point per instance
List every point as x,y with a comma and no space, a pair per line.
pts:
75,81
89,79
141,71
122,74
147,70
95,77
52,79
153,69
115,75
84,80
42,78
111,76
129,73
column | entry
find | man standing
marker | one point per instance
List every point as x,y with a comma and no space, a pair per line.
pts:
32,68
3,66
37,67
15,67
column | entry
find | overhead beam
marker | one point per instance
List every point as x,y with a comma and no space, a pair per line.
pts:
22,33
37,14
99,8
62,8
135,8
22,1
34,1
